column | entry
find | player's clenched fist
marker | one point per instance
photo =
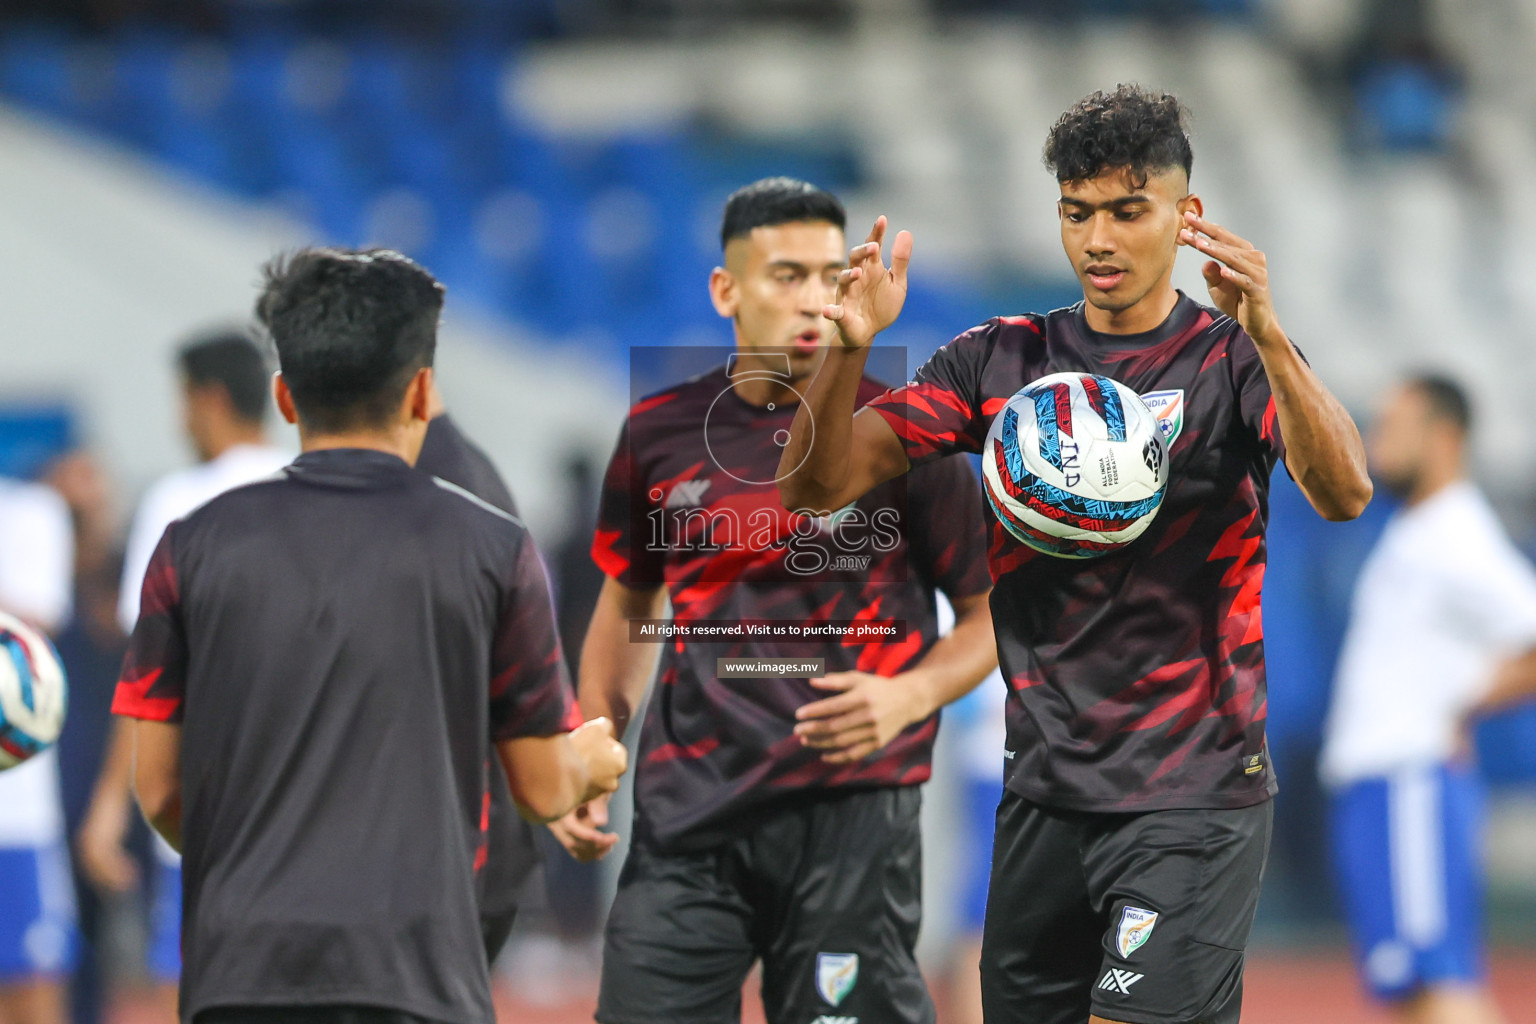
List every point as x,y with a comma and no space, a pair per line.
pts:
605,756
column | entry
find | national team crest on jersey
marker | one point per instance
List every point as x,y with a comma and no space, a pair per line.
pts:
1168,407
1135,929
836,974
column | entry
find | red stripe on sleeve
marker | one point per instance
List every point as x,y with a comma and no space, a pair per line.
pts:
133,699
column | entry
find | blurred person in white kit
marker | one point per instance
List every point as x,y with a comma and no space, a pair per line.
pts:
37,908
1442,631
225,397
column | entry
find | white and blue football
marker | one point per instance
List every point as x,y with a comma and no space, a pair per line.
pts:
1075,465
33,692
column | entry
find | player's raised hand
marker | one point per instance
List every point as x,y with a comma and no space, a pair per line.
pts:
864,713
580,832
1237,275
870,294
605,756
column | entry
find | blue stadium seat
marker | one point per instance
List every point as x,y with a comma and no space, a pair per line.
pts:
35,70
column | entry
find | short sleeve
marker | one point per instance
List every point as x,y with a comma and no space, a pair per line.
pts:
619,546
153,682
1256,402
938,412
948,527
1492,591
530,690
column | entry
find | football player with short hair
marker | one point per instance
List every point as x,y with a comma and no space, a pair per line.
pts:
1135,823
322,665
776,818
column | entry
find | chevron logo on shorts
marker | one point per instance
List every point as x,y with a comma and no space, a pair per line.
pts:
1120,981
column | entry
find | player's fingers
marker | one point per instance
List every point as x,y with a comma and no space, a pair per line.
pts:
580,830
832,311
567,841
1212,272
1216,231
837,680
1250,261
1242,280
586,853
877,233
830,732
827,707
901,255
846,739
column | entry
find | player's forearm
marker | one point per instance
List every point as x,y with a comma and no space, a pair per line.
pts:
814,466
615,673
115,783
157,776
957,663
1324,452
546,775
1514,682
159,798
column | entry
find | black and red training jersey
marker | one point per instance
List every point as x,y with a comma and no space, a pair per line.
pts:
340,643
510,851
1136,679
690,502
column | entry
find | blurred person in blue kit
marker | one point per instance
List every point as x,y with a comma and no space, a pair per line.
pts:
225,381
37,912
1442,632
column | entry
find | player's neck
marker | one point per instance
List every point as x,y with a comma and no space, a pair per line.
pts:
398,441
765,391
1432,482
1145,315
233,437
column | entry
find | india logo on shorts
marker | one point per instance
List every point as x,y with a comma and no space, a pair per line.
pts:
836,974
1168,407
1135,929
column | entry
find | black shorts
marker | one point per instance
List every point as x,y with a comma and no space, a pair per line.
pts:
826,892
1140,918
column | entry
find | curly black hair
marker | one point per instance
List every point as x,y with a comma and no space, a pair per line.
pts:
1132,127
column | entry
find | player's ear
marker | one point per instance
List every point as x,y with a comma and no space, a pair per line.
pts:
724,292
1191,202
418,395
284,398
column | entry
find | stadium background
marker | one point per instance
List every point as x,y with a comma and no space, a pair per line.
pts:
560,164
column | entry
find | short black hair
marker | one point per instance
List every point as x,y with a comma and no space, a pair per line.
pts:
1446,398
1132,127
773,201
228,359
351,329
